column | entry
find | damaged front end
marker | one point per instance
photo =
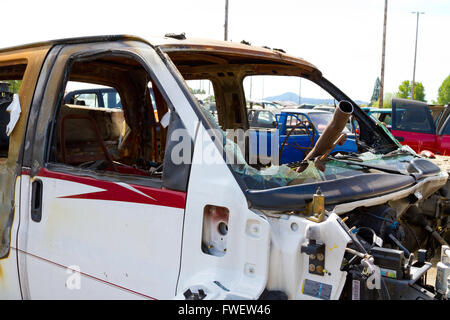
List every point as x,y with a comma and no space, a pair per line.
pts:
342,226
368,221
360,226
390,202
363,226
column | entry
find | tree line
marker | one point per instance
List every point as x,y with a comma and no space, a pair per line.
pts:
405,91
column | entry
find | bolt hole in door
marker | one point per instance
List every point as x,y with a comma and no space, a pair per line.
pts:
215,230
223,228
294,226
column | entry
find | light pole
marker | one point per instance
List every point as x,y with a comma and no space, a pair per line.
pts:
226,21
415,54
381,93
299,90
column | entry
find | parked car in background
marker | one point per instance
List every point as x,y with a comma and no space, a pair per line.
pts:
299,130
413,124
296,132
262,118
96,98
384,115
105,98
306,106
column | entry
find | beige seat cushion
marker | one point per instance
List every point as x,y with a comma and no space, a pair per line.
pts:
80,138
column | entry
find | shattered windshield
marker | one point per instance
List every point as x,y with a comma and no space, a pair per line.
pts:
256,158
337,167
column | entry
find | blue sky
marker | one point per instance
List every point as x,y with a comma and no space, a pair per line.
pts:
342,38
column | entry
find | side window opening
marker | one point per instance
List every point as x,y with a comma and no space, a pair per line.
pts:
412,117
5,100
116,129
203,91
10,83
94,96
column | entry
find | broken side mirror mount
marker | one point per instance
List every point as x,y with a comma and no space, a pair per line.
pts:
176,175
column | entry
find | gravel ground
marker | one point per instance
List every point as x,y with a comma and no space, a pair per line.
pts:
442,161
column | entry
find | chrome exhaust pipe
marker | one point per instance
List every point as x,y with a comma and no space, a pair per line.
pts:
326,142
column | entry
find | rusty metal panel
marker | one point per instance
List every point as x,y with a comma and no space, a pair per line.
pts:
238,49
10,168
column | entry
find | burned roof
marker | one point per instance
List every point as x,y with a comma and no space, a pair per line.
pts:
222,52
215,51
77,40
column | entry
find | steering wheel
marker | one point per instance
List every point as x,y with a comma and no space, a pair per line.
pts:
309,127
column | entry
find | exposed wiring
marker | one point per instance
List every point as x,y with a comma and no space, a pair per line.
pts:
352,236
368,229
356,253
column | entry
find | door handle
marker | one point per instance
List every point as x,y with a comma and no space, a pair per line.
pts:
400,138
36,200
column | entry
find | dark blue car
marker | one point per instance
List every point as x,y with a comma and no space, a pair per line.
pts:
292,133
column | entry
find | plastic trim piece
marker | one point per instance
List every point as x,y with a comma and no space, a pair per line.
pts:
335,191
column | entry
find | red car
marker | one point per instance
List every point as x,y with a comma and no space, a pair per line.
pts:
415,124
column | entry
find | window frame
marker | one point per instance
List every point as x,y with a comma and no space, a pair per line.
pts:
13,64
396,109
64,59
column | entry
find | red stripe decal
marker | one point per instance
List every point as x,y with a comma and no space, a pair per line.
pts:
115,192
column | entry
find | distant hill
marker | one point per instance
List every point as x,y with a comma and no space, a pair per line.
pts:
291,96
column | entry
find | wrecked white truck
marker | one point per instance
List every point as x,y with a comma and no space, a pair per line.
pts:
103,203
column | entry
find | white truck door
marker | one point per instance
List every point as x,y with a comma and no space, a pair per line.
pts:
99,228
101,239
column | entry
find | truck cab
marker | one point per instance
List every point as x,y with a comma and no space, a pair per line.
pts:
102,203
